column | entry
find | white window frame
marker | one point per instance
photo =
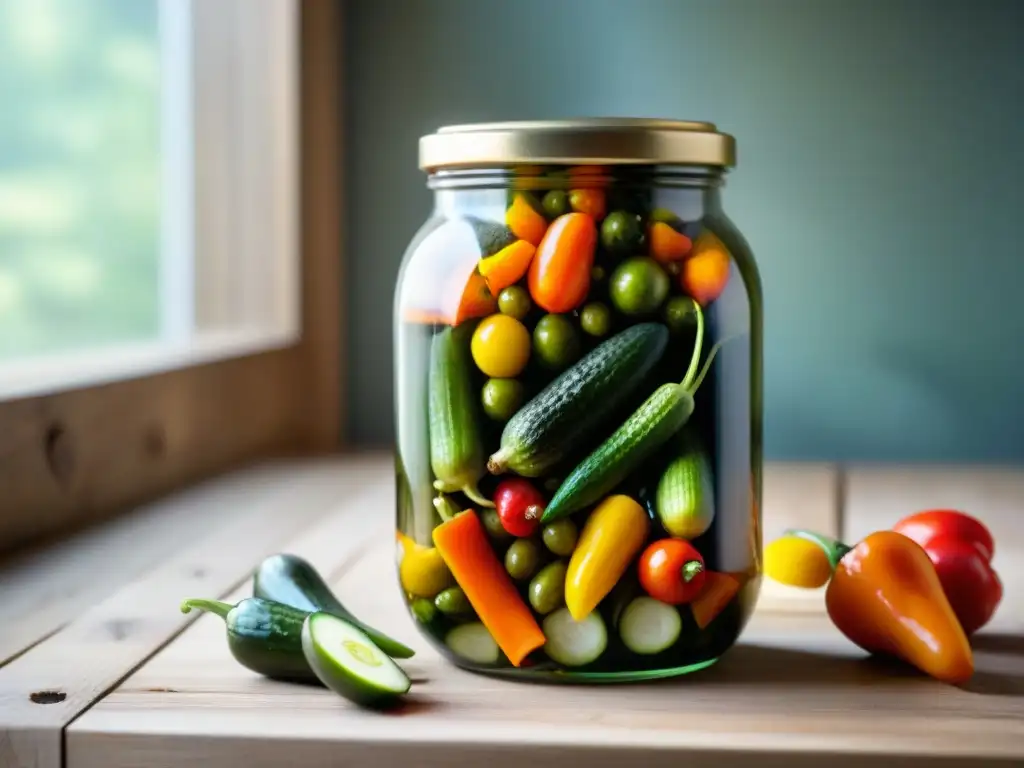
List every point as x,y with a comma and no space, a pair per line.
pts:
230,260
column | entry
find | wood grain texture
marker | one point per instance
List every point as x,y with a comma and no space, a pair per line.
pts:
322,204
74,458
47,586
793,693
56,680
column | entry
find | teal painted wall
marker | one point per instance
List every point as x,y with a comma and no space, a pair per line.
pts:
880,183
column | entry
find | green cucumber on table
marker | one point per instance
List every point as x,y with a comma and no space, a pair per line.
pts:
345,660
292,581
660,417
456,450
577,404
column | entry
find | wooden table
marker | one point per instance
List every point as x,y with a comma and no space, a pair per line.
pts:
104,672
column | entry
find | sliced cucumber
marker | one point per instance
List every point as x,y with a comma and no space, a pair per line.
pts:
574,643
473,642
349,663
649,626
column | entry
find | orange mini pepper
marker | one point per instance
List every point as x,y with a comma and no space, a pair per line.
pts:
884,594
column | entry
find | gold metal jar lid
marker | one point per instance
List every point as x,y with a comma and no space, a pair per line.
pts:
598,141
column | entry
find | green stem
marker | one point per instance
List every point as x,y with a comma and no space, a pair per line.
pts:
698,343
213,606
833,548
446,508
473,493
691,568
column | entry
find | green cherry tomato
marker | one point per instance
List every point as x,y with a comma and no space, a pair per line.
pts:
522,559
424,610
555,342
555,203
453,602
560,536
514,301
595,319
547,590
638,286
681,314
621,232
492,522
502,398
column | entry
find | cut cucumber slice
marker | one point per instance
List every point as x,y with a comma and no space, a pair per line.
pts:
474,643
574,643
649,626
347,661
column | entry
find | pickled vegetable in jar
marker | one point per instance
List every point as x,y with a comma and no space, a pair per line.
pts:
578,401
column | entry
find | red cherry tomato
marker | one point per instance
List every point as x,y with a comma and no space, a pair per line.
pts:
924,526
519,506
960,547
672,571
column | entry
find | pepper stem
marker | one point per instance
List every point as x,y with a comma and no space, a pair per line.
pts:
473,493
833,548
690,570
533,512
446,508
213,606
698,344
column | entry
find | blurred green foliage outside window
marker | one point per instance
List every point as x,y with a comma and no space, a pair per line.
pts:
80,186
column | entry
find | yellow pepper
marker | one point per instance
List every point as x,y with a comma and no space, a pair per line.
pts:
611,538
798,562
421,569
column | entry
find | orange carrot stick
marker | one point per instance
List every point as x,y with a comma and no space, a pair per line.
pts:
719,589
463,545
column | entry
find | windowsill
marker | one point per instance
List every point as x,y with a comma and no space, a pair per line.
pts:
145,685
96,366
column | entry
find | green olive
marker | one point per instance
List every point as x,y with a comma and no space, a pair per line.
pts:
547,590
596,318
492,522
453,602
621,232
560,536
681,314
556,342
638,286
522,559
555,203
597,273
424,610
502,398
514,301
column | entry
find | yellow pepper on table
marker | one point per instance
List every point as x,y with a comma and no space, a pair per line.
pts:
611,538
883,593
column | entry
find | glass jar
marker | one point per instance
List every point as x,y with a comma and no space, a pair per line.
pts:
578,402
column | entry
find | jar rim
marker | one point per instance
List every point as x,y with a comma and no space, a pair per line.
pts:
589,141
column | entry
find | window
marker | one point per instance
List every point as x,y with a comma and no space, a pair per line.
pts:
170,297
147,186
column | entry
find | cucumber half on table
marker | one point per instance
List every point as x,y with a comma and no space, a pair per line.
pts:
348,662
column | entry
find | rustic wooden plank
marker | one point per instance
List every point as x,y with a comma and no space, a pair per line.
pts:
94,652
794,693
798,495
878,496
46,586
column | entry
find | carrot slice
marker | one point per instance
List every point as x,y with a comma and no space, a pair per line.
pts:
467,298
667,244
464,546
719,589
507,266
525,221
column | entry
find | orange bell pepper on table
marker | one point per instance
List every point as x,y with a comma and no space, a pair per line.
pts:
883,594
